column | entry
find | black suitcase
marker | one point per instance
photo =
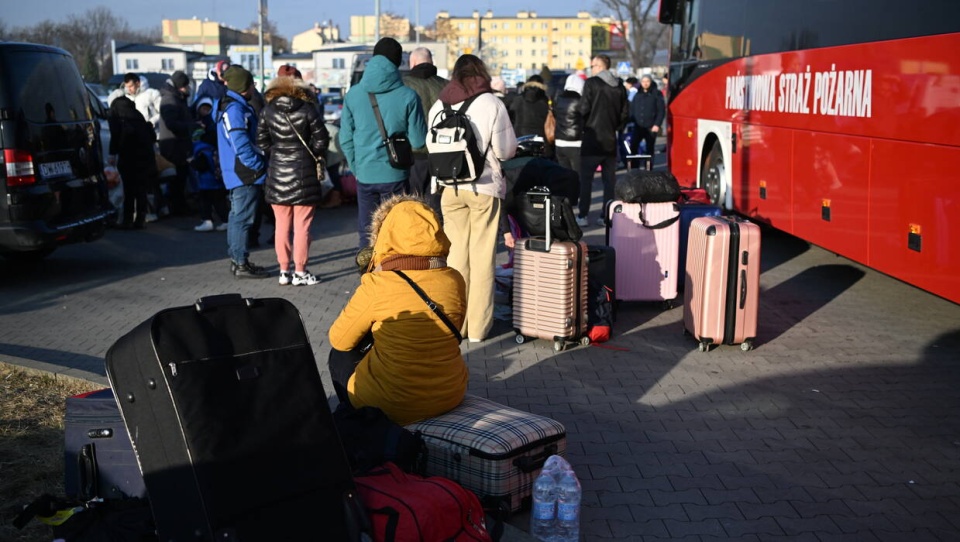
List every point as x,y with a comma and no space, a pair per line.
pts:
98,458
230,423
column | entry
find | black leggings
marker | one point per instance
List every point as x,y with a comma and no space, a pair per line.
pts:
342,365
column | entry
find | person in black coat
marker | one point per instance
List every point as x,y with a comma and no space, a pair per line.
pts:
569,129
131,143
175,136
529,109
292,134
647,111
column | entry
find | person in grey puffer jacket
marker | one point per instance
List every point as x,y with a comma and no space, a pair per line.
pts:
291,133
603,109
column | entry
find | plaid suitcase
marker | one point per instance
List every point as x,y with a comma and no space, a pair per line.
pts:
491,449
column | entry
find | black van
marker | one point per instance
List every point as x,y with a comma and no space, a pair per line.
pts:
52,189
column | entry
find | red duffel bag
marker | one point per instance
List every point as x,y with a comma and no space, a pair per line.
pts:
406,507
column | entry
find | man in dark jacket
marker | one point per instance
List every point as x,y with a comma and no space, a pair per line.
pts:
423,79
175,131
646,111
360,138
603,109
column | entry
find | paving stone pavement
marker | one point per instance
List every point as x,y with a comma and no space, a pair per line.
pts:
842,424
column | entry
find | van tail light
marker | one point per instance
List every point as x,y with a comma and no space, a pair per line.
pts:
19,167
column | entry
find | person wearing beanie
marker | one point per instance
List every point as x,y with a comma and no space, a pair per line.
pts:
289,71
243,167
360,139
569,130
174,136
212,87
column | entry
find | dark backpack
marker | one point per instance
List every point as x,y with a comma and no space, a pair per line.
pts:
452,148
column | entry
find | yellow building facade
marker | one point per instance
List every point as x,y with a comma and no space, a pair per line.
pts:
207,37
526,41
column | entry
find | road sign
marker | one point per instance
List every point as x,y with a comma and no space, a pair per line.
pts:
623,67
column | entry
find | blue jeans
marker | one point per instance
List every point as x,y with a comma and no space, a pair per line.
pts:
244,200
369,197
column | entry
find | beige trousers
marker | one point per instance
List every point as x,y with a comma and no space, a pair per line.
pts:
471,222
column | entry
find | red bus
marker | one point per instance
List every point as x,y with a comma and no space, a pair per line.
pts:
837,121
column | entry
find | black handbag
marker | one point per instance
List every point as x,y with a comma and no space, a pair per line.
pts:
534,220
398,146
647,187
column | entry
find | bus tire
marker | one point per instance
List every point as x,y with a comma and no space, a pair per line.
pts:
712,174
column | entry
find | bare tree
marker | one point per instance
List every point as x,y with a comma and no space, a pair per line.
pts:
271,35
638,21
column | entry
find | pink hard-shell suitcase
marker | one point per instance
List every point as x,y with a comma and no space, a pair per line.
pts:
550,287
722,281
646,237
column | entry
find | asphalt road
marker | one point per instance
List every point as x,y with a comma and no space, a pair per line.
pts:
842,424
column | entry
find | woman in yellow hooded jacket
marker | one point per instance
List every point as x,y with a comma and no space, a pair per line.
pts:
414,370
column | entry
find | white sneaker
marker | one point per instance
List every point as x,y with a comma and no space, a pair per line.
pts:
206,225
286,278
305,279
582,221
221,227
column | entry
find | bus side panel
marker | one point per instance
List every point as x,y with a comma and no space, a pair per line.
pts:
684,144
762,175
831,186
912,185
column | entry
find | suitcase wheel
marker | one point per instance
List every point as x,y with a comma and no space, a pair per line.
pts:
703,347
585,341
746,346
520,338
558,346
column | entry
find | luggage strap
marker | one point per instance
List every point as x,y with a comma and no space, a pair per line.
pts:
433,306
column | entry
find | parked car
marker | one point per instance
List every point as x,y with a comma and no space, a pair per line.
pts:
100,92
52,188
332,107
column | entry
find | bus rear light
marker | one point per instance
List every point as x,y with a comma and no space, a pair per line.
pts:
825,210
763,189
19,167
913,238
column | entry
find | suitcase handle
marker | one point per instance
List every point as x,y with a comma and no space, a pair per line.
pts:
533,462
87,470
211,302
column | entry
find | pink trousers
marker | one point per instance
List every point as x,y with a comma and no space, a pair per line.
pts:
295,218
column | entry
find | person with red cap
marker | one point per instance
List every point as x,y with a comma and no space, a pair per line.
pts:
213,86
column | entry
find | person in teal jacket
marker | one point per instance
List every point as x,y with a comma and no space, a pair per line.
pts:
360,139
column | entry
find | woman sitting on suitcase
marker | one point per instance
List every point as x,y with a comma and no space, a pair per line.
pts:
414,370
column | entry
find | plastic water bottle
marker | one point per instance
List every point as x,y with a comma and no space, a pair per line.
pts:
543,517
568,507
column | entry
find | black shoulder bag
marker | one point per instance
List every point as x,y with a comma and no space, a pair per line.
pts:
433,306
398,146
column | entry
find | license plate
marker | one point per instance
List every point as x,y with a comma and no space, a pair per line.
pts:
55,169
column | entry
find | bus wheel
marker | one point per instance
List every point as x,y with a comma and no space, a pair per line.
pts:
711,176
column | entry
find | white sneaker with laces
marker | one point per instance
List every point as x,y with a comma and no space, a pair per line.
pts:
305,279
582,221
285,278
206,225
221,227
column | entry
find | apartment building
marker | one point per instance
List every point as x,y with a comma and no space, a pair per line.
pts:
363,28
207,37
525,42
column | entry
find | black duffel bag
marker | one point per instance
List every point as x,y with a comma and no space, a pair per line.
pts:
531,214
647,187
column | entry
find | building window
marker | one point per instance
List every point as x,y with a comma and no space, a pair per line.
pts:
133,64
459,26
581,26
543,39
339,63
519,65
533,52
166,64
519,26
544,26
519,39
568,26
503,53
543,52
533,65
566,66
250,62
493,26
473,41
519,52
506,26
473,26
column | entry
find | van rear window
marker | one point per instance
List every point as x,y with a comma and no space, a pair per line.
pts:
46,87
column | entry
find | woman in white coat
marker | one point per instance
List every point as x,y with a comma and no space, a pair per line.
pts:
471,212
